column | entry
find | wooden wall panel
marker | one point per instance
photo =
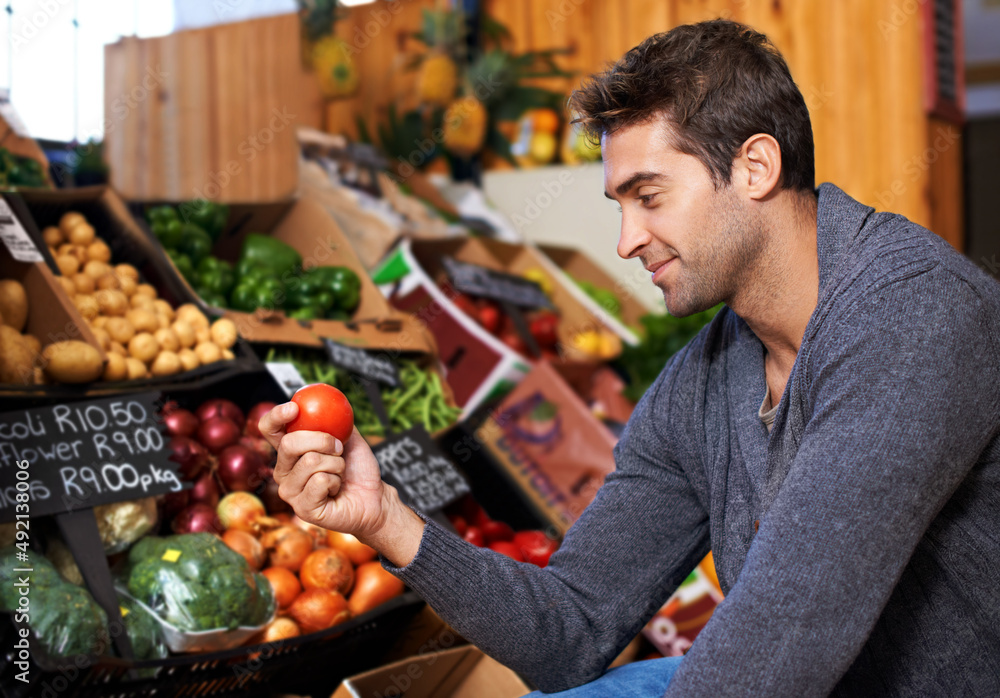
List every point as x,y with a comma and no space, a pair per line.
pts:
857,63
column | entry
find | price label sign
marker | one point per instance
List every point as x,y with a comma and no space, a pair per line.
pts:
83,454
287,375
480,281
362,363
15,237
426,479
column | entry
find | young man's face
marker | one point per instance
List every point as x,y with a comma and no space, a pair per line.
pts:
695,241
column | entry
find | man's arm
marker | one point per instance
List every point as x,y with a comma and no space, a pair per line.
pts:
562,625
903,405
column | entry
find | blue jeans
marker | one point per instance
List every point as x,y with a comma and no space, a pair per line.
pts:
645,679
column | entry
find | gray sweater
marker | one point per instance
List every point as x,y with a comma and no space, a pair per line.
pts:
875,568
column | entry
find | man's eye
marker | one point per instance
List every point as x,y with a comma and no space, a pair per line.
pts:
646,198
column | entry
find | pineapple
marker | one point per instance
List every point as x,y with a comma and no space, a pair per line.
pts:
465,126
438,80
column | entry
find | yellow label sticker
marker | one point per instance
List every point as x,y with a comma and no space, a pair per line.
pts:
123,610
171,555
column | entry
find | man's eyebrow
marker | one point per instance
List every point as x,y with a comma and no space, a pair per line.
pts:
631,182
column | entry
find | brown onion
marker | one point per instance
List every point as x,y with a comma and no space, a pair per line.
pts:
247,546
221,408
217,433
241,511
289,547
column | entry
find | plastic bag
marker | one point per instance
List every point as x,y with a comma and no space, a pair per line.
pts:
194,583
64,618
122,523
143,630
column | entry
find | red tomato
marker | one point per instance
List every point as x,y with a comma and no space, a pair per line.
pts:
459,523
475,536
508,549
536,546
323,408
497,530
489,318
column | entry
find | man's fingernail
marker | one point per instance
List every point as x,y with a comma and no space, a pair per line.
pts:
337,446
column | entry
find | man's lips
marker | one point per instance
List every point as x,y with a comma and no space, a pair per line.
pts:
657,268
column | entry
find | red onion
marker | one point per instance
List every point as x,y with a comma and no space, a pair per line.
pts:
274,503
261,447
190,455
254,415
180,422
173,502
197,518
239,469
206,490
221,408
217,433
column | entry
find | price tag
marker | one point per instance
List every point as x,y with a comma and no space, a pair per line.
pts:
362,363
15,237
83,454
480,281
287,375
426,479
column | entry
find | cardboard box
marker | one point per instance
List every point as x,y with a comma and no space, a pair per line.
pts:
52,317
574,264
306,226
462,672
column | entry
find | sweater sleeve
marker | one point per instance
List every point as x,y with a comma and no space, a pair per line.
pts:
904,395
562,625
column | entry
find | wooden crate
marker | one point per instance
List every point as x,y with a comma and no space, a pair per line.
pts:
209,113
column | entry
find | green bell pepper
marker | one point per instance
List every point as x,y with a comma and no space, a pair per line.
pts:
342,283
183,264
271,254
195,243
308,312
207,215
244,297
216,275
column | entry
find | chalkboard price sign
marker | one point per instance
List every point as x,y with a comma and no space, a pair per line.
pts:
83,454
426,479
480,281
362,364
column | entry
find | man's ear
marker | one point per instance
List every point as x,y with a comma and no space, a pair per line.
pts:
758,166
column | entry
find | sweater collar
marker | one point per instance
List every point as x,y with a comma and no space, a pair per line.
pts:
839,220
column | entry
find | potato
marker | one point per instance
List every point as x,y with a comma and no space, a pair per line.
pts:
68,286
166,363
143,320
208,353
109,281
167,339
72,361
144,347
202,334
96,269
32,343
87,305
99,322
223,332
68,264
112,302
127,271
120,329
118,348
163,320
163,308
137,300
13,304
136,369
116,368
128,285
227,354
189,360
82,234
17,361
53,236
71,250
185,333
146,290
191,314
40,377
102,337
84,283
70,220
99,250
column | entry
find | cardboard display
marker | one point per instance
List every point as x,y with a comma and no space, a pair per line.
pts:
52,317
575,264
461,672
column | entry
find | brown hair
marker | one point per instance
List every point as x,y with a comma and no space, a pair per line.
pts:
718,83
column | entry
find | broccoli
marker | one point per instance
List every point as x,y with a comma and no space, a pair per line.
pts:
203,585
143,631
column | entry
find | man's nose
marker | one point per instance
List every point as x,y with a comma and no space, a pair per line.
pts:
632,238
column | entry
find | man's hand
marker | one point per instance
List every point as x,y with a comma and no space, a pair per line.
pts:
339,486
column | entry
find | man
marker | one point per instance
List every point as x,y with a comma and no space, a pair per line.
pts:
833,436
